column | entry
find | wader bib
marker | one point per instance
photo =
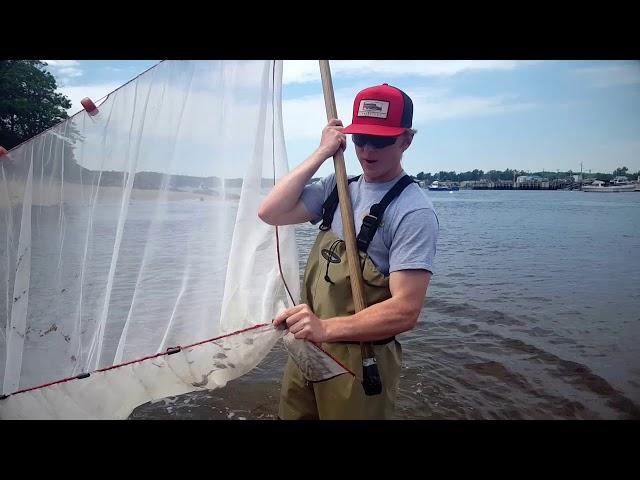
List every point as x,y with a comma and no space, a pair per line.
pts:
327,291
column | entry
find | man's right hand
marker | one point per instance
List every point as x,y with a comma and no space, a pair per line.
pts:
332,139
283,205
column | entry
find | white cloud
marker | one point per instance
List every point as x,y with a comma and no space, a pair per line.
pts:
69,72
305,117
611,75
466,106
301,71
64,69
62,63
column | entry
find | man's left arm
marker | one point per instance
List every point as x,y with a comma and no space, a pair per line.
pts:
381,320
385,319
411,262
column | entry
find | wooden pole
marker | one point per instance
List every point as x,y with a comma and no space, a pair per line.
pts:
346,210
371,378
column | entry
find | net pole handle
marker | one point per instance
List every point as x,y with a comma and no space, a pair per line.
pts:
346,211
370,375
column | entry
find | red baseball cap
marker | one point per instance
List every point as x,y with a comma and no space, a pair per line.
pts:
382,110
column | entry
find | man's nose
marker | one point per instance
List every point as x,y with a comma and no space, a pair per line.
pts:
368,147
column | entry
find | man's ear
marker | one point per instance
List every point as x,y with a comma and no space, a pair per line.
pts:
407,138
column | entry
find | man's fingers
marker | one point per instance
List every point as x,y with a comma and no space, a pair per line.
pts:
296,327
295,318
302,334
287,313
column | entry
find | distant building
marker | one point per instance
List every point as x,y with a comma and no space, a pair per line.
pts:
577,178
529,179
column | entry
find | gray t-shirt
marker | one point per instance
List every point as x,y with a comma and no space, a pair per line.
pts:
408,235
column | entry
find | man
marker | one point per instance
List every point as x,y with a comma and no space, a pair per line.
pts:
398,230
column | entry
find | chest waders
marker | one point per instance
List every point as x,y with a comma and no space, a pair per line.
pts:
327,290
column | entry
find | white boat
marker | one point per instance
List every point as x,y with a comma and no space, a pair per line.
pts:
620,180
618,184
443,187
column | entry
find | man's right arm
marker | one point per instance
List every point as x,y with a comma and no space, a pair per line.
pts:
283,205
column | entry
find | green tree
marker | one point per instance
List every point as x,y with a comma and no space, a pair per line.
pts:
620,171
29,103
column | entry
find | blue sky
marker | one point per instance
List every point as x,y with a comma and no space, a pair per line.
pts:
530,115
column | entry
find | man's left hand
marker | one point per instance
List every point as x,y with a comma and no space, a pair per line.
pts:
303,323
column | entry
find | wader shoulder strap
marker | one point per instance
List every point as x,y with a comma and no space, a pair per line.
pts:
330,205
372,221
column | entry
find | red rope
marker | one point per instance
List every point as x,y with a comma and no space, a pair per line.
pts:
280,268
142,358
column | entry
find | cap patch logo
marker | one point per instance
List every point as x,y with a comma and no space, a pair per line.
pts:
373,108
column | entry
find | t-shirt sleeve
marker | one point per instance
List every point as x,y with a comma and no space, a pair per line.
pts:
314,195
414,241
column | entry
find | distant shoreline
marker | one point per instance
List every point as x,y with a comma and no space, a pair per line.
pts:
77,194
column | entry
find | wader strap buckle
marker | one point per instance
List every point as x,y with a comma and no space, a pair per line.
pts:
370,224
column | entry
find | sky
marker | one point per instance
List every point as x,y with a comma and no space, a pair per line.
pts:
528,115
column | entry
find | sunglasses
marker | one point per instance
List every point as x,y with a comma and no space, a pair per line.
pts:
374,140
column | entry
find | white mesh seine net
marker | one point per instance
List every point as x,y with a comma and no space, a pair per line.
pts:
128,232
